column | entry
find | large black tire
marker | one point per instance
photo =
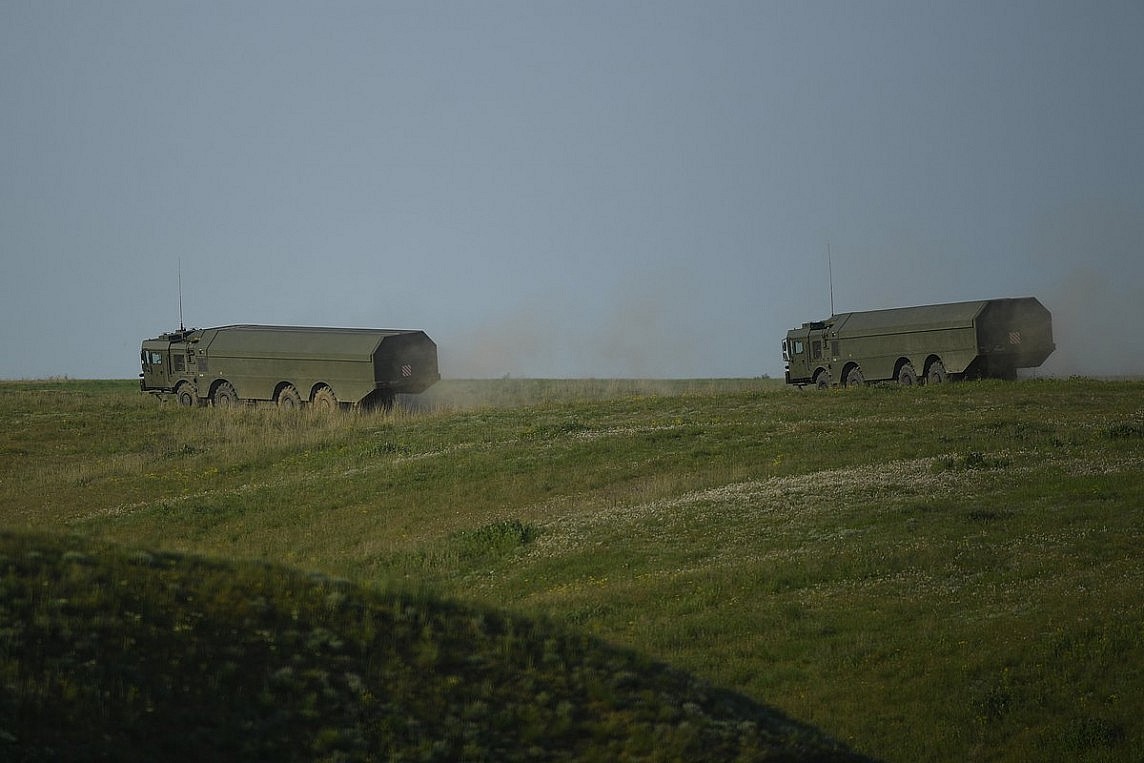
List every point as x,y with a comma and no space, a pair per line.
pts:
225,396
907,377
325,400
289,399
822,381
937,374
185,394
854,377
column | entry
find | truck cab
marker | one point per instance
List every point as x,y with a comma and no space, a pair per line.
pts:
805,353
156,361
165,362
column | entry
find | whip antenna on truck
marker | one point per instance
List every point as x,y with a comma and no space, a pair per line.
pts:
181,327
830,277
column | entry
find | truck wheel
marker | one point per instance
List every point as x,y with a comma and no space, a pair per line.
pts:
325,400
289,399
225,396
854,377
937,374
822,381
907,377
186,395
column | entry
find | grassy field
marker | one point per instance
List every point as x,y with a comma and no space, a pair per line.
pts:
936,573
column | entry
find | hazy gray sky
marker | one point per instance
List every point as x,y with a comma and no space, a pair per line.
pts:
564,189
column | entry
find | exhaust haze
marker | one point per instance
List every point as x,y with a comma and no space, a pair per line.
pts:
1098,250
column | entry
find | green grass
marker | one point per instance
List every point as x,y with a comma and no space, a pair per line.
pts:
942,573
107,654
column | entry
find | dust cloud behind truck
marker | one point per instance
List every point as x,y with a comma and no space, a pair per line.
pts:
926,344
290,366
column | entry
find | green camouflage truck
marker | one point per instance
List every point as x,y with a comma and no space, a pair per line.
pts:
289,366
925,344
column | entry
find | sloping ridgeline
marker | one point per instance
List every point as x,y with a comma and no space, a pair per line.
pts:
113,654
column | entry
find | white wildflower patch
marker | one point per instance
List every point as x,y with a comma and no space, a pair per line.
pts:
459,447
1093,467
166,502
819,506
597,434
781,500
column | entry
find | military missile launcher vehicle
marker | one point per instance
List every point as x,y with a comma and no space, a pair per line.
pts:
289,366
925,344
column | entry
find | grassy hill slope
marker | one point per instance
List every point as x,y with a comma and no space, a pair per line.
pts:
937,573
107,654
